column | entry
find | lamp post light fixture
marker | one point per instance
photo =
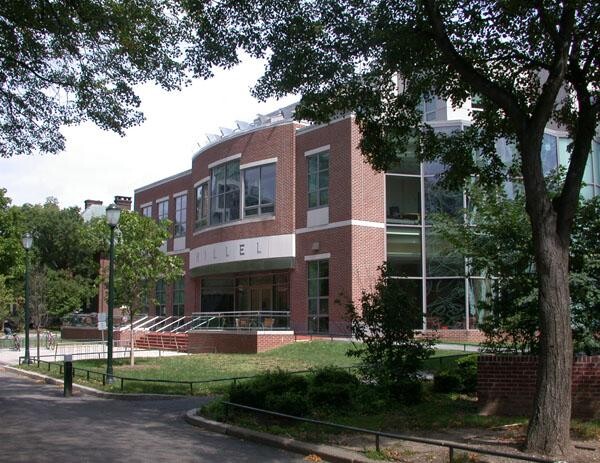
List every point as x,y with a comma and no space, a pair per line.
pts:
27,241
113,213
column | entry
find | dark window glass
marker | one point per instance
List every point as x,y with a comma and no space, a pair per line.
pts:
225,193
259,190
180,215
318,179
403,199
445,304
404,251
318,296
178,297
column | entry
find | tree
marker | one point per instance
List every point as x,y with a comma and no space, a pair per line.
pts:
66,62
528,62
385,323
496,240
139,263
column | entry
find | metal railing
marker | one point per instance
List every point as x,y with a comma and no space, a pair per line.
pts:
243,320
451,446
101,376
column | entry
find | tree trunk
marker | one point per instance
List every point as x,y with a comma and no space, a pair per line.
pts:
549,427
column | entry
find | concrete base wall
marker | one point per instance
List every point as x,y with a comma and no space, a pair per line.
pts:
506,385
237,342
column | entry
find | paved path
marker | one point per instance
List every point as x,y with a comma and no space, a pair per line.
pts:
37,424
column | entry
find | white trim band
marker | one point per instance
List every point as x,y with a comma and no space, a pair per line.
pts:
181,193
258,163
325,255
343,223
224,160
161,200
142,206
317,150
200,182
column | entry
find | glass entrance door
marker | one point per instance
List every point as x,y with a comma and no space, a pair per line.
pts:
261,298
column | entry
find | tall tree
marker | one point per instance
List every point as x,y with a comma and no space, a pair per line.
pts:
139,263
65,62
529,62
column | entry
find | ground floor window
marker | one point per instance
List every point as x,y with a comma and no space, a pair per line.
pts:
245,292
161,298
178,297
318,296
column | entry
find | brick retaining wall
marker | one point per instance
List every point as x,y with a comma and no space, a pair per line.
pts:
506,385
238,342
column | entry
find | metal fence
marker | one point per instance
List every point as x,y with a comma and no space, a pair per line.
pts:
451,446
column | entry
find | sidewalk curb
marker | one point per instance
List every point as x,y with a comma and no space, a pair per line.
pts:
89,390
326,452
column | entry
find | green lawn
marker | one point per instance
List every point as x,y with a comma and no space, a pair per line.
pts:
201,367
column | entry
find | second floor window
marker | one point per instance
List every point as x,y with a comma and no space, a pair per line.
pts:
147,211
259,190
163,210
201,219
318,179
180,215
225,193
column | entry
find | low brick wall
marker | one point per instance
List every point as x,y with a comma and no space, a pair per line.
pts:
79,333
240,342
467,336
506,385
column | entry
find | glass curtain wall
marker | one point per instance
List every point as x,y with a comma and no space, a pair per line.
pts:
427,264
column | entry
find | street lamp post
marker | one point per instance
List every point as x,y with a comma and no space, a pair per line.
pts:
112,217
27,241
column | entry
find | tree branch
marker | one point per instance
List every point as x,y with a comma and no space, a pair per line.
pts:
479,82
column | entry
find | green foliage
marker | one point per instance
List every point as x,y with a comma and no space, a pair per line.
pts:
332,387
467,370
277,390
385,322
499,246
67,62
447,381
139,262
6,298
67,292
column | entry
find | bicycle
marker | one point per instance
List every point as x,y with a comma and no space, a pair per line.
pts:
51,341
16,342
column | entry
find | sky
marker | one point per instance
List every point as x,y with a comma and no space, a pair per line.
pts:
99,165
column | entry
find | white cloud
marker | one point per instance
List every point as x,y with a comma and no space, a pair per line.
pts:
99,165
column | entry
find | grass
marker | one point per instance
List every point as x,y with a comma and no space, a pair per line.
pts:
202,367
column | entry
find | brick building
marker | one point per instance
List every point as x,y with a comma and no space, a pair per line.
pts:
283,217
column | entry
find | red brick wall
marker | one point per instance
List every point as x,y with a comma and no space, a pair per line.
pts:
271,142
76,333
506,385
233,342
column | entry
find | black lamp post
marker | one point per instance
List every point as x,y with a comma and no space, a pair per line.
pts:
113,214
27,241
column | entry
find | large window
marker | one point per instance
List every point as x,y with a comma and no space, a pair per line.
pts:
202,196
318,179
259,190
318,296
246,292
180,215
161,298
225,193
178,297
404,251
403,197
163,210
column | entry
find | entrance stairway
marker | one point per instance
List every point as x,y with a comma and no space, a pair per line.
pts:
162,341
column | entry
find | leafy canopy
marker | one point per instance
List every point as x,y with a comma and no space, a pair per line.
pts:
67,62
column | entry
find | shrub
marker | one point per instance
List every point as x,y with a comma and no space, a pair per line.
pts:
447,381
260,391
408,392
290,403
333,375
466,368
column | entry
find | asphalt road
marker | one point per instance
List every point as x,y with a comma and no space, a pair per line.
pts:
37,424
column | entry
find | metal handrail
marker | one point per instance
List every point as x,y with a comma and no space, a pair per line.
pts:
191,322
177,320
378,434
